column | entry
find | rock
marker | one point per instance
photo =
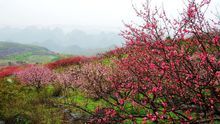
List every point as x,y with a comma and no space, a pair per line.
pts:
72,117
75,116
10,81
2,122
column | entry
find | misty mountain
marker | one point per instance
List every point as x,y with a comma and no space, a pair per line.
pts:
76,50
55,39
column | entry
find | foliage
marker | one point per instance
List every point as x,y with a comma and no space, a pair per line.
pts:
9,70
66,62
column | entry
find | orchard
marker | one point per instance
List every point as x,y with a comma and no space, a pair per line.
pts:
170,72
167,72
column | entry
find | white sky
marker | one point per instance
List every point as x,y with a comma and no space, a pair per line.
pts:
76,12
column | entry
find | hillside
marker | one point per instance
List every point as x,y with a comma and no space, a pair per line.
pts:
15,53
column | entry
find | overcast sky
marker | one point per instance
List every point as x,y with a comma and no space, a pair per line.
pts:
103,13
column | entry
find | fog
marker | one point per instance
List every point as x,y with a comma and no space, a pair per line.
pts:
81,23
108,13
104,13
57,40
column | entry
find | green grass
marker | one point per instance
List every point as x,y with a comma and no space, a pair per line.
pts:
79,98
19,57
41,58
28,57
23,104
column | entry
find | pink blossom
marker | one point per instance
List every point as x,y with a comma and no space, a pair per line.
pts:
36,76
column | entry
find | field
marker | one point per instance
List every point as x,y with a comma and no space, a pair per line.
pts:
29,58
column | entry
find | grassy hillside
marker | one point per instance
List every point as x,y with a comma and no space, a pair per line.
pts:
18,53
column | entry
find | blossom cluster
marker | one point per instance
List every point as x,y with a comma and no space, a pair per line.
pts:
95,79
168,79
36,76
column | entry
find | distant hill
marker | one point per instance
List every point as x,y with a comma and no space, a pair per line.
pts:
76,50
58,40
14,53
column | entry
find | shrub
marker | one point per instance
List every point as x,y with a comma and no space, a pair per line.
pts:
9,70
66,62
